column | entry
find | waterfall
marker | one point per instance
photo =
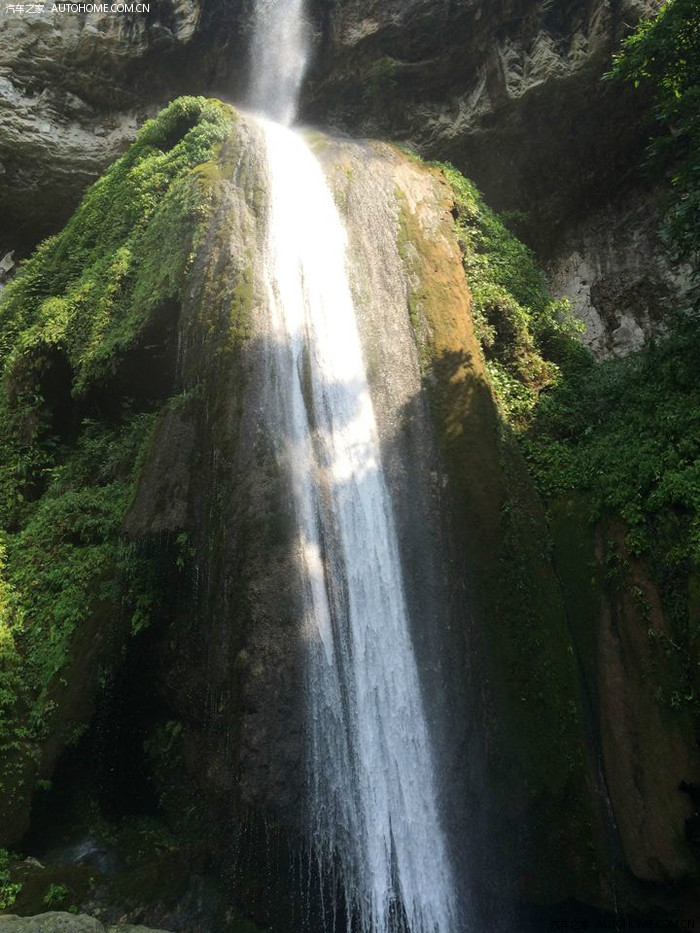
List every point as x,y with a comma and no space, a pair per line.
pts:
372,798
279,55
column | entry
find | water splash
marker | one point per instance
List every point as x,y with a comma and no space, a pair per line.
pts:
372,789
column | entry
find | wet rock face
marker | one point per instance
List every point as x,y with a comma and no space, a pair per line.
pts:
216,475
56,922
649,761
509,91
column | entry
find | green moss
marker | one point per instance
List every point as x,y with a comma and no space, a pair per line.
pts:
624,435
581,578
515,318
619,436
241,305
72,442
62,574
381,77
91,289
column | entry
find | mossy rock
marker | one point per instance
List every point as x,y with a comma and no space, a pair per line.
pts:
128,928
53,922
56,922
87,358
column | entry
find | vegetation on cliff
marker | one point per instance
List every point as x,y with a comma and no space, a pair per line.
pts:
91,313
75,422
663,55
621,436
625,433
517,322
613,448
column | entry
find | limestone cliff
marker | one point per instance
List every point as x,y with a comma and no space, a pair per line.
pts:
74,88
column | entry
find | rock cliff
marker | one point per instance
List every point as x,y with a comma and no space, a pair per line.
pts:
166,507
138,464
510,92
74,88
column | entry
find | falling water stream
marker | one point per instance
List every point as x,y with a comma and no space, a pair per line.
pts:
373,813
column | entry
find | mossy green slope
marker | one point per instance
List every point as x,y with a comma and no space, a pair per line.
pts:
73,432
619,438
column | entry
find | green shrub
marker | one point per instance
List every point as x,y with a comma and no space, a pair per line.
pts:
520,327
663,56
8,889
55,895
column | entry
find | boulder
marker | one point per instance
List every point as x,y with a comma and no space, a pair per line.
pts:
59,922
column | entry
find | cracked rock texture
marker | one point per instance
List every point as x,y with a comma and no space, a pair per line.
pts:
511,92
75,87
615,271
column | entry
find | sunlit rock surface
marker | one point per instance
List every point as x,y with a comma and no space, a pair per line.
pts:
510,92
517,638
615,270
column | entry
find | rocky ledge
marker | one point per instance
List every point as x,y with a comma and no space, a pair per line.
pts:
74,88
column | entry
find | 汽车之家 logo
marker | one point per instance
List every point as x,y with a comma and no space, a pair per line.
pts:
36,9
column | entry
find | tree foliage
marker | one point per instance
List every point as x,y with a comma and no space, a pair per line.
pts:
663,55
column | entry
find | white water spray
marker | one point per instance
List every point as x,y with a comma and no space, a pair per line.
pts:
372,787
279,55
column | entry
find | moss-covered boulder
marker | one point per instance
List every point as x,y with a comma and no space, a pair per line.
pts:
54,922
87,361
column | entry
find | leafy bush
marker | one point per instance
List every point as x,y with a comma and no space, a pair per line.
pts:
623,435
626,432
520,327
663,56
55,895
8,889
